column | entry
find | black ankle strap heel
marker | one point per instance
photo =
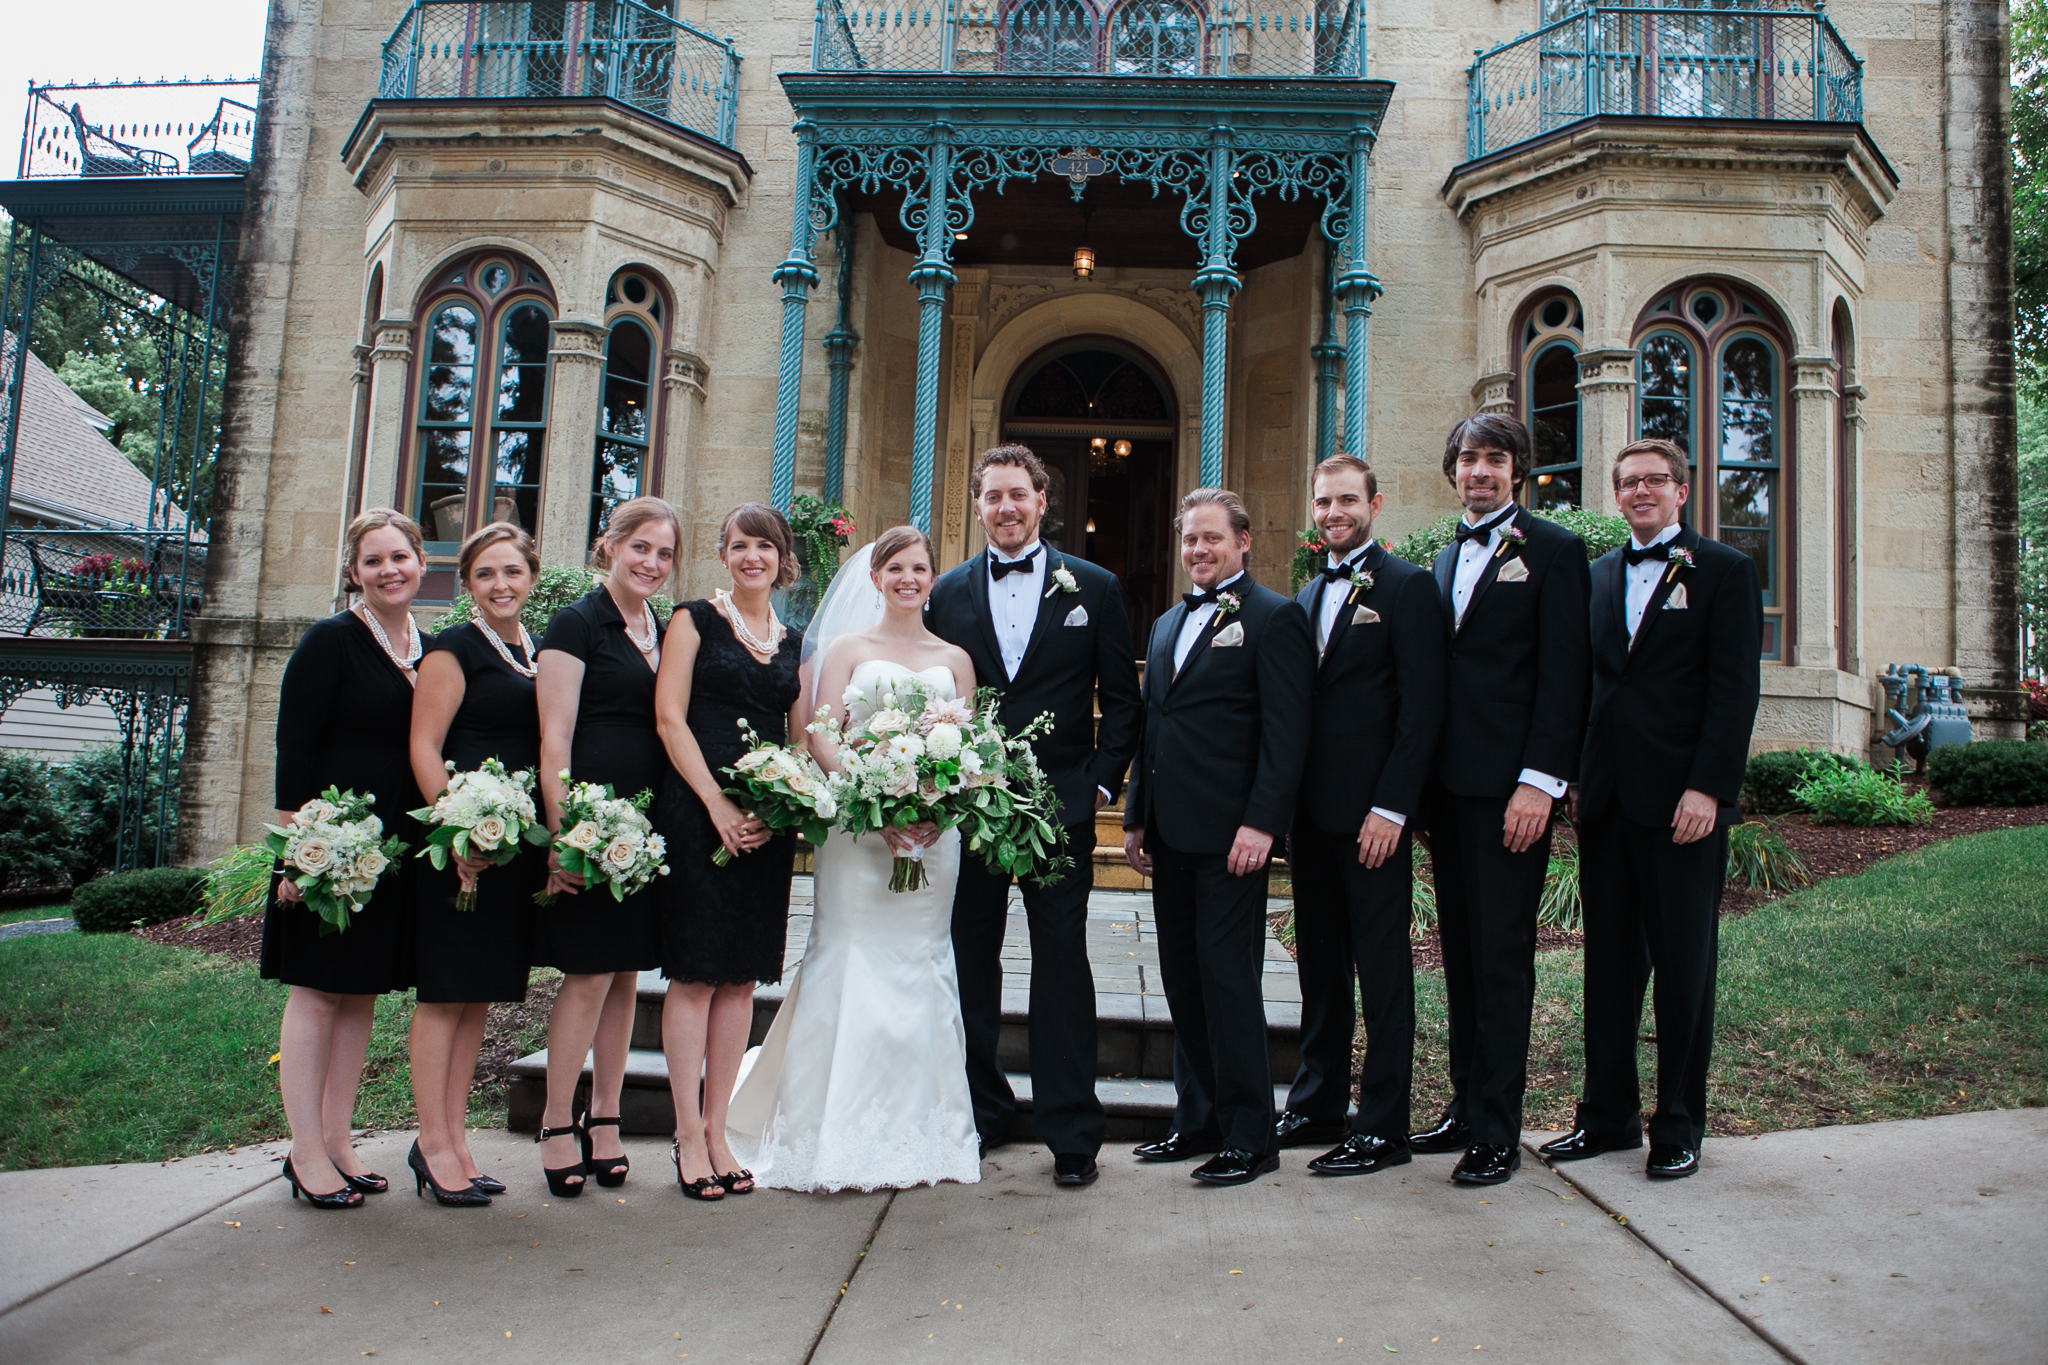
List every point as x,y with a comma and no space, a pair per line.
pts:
611,1170
564,1182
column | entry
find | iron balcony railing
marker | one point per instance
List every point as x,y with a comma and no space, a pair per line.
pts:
203,127
556,49
1749,63
1265,38
100,584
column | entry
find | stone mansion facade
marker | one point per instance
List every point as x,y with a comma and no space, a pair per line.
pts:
524,258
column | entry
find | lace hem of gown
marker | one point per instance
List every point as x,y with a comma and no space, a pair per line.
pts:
876,1153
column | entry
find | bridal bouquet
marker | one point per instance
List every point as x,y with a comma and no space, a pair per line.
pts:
1006,808
334,850
782,788
606,840
898,766
487,813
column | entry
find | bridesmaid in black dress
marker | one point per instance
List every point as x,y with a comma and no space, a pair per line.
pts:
597,665
722,928
344,719
475,701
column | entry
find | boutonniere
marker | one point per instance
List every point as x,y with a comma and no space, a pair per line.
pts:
1510,534
1062,581
1681,558
1227,603
1361,583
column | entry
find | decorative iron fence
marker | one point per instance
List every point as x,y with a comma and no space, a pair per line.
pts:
99,585
1081,37
203,127
554,49
1673,63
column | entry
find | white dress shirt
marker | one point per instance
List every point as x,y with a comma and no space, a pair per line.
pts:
1472,557
1191,628
1642,579
1013,603
1335,593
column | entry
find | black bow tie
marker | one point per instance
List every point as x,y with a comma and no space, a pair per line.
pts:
1197,600
1483,529
998,568
1632,556
1331,575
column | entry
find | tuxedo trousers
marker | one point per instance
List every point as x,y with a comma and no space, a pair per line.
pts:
1486,904
1351,925
1212,963
1653,912
1065,1110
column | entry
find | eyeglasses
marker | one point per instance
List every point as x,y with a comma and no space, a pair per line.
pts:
1656,483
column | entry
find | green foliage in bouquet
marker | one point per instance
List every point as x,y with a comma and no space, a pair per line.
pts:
1012,819
331,852
782,789
486,814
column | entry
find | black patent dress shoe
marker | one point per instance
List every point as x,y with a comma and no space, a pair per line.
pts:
1488,1163
1669,1161
1579,1144
1299,1130
1072,1172
1449,1135
488,1184
1361,1154
369,1182
1174,1147
991,1141
1235,1166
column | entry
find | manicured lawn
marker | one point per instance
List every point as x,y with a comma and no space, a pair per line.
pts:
1919,987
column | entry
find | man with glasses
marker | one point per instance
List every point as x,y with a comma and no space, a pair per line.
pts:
1677,634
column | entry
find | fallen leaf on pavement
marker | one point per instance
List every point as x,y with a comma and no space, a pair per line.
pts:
328,1311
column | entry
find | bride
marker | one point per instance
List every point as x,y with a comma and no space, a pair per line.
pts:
861,1082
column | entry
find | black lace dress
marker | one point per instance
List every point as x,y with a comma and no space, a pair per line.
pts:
616,744
480,955
726,926
344,719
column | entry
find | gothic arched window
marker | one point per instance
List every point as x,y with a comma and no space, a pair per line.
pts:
626,415
1548,342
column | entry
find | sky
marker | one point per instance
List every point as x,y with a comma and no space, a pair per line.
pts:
104,40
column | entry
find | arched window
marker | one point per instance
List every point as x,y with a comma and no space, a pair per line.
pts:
489,320
1041,37
1711,375
626,415
1548,342
1155,38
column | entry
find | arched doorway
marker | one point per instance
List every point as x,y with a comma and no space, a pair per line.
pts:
1100,414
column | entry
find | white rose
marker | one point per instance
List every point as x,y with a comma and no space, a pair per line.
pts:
800,783
487,833
313,856
970,761
750,761
371,863
583,838
944,741
634,834
827,808
316,812
900,782
620,855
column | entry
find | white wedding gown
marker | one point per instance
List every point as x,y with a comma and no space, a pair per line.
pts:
861,1082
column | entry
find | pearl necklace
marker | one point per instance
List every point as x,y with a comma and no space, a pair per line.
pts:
525,642
647,615
412,640
738,621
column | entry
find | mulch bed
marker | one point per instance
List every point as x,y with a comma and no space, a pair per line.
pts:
237,938
1844,850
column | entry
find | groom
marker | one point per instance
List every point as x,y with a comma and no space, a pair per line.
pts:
1050,632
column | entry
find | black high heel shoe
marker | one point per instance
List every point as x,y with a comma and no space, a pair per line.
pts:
737,1182
707,1188
344,1198
611,1171
488,1184
369,1182
560,1178
468,1197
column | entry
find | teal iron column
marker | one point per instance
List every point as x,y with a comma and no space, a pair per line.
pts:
796,275
1357,287
933,277
1216,284
839,344
1329,358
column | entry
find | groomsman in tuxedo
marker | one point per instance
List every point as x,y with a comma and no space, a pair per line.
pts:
1220,753
1514,600
1677,633
1050,631
1376,710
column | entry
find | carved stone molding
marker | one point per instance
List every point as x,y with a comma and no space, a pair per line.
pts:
580,343
1490,393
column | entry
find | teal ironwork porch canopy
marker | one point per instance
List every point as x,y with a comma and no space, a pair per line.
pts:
943,140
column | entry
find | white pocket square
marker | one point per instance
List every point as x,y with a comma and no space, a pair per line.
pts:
1513,571
1077,617
1364,616
1230,635
1676,601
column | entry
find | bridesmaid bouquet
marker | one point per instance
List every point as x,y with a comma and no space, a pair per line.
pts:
606,840
781,788
1006,808
487,813
334,850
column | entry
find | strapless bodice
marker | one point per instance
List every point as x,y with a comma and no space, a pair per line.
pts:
872,680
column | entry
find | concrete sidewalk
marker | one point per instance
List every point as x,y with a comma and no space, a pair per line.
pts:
207,1264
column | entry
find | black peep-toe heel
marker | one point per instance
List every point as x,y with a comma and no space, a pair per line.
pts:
611,1170
707,1188
564,1182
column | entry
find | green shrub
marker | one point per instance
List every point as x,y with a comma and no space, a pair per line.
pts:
35,824
1601,534
1768,779
1760,859
1861,796
556,588
1561,907
1422,898
126,899
1998,772
91,785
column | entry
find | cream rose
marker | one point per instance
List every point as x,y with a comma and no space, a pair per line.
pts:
750,761
900,781
488,833
370,865
583,838
316,812
619,855
314,856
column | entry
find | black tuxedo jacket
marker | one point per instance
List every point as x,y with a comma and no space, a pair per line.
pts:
1065,670
1223,742
1377,704
1673,708
1516,692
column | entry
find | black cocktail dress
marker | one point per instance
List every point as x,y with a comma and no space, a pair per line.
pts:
726,925
344,719
480,955
616,744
